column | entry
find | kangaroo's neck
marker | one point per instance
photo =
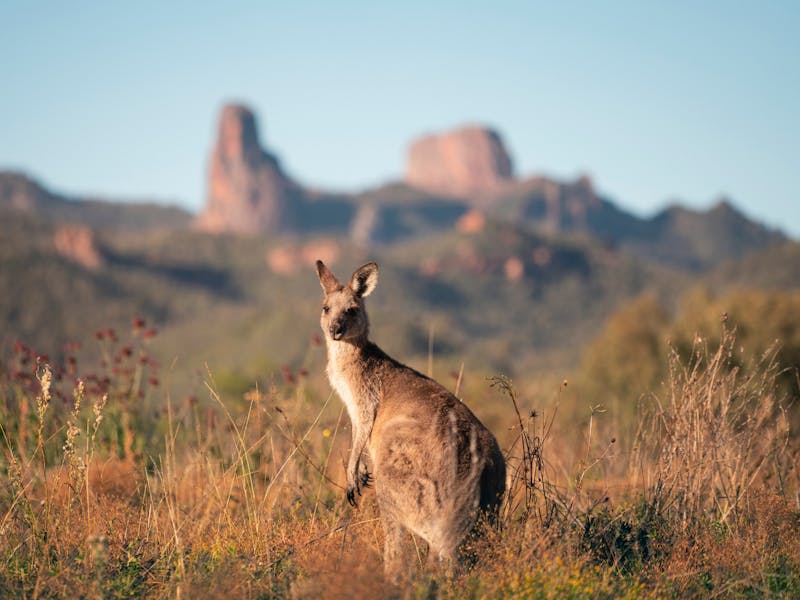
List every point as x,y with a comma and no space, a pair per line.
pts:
347,354
352,373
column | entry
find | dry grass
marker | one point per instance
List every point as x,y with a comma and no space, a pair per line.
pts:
113,489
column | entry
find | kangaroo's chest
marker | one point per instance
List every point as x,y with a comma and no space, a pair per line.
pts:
344,387
356,382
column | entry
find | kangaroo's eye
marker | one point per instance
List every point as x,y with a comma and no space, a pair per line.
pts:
351,311
326,309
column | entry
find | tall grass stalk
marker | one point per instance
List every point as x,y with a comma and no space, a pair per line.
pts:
709,442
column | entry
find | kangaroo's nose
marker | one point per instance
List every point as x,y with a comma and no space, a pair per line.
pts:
337,331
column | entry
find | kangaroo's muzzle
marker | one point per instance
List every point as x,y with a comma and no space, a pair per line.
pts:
337,330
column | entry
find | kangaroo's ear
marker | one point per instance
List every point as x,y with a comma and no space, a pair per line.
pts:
364,279
327,279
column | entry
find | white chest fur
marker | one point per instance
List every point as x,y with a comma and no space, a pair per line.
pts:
341,379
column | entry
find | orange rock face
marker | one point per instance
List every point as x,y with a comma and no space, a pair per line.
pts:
471,222
247,190
514,269
77,243
463,162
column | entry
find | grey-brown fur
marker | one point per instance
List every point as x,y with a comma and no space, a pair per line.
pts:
436,465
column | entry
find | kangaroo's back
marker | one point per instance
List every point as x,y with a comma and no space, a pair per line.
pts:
436,466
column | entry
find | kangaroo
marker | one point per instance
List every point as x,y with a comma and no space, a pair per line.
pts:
436,466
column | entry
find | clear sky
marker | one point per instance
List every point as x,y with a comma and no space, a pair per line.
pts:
657,101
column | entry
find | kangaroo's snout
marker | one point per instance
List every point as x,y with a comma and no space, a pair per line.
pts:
337,330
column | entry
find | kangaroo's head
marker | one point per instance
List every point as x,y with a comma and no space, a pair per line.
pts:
344,317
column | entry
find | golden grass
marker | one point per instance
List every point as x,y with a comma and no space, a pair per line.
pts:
116,490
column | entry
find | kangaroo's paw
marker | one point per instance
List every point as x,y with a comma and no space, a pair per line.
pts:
351,491
365,478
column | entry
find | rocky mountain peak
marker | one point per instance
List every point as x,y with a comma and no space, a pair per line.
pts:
248,192
466,161
238,134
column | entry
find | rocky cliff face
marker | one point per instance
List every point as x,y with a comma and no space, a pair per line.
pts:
248,192
467,161
78,244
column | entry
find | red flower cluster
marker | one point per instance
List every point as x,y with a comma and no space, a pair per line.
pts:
117,374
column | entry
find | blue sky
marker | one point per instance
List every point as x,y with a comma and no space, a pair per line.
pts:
657,101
